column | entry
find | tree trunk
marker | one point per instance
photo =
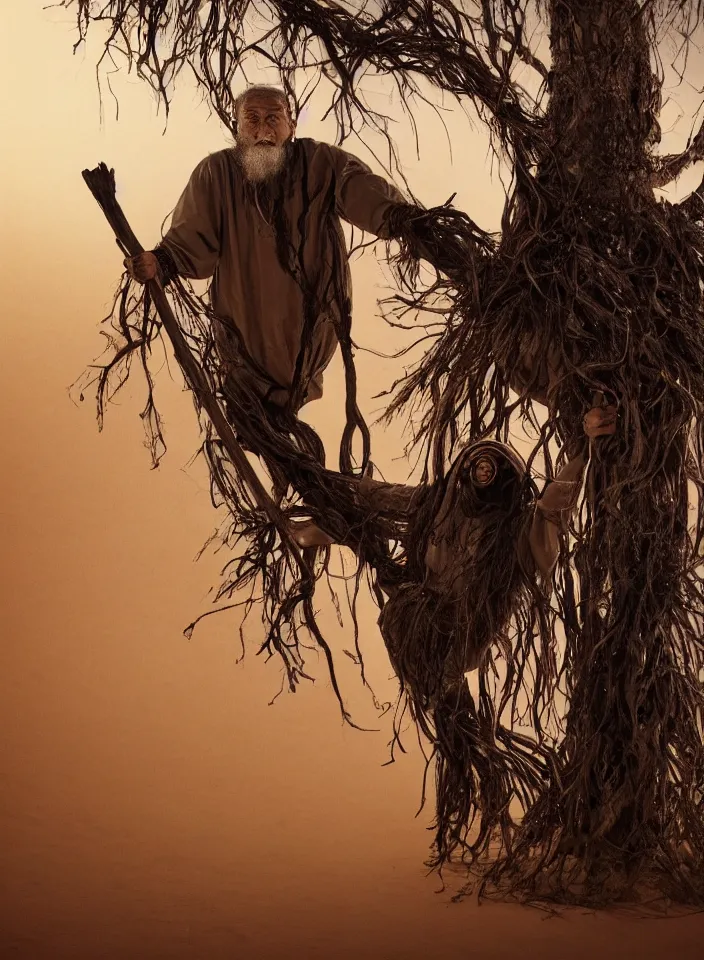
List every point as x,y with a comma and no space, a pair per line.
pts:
601,118
633,688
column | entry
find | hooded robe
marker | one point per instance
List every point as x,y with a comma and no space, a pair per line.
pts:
440,605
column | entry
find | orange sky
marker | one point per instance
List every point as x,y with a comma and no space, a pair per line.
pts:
154,805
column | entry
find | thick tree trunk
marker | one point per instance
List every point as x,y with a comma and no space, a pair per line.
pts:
617,807
604,97
602,122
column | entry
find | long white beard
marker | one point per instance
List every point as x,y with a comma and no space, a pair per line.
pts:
261,163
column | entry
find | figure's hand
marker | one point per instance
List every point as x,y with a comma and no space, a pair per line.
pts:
600,422
143,268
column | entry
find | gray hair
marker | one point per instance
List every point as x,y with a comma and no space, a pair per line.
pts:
277,92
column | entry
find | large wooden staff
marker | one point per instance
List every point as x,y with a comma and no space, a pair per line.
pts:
101,183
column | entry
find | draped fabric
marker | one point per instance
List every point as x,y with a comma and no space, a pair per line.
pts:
277,258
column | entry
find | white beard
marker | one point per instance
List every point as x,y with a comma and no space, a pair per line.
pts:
260,163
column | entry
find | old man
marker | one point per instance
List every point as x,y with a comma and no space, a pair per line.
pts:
263,220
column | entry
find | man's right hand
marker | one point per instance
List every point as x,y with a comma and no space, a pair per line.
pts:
143,267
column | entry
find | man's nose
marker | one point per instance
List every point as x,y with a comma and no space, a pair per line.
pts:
264,129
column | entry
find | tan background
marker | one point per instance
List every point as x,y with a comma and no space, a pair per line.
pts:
154,805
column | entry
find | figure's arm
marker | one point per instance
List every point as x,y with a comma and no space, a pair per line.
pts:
445,237
191,246
554,509
380,497
193,240
363,198
375,499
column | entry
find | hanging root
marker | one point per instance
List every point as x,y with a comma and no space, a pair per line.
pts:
487,774
626,817
472,54
263,564
484,771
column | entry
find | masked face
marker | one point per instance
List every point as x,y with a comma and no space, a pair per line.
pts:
483,471
487,476
479,471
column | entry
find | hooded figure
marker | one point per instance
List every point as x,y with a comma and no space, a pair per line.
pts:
470,571
480,548
454,571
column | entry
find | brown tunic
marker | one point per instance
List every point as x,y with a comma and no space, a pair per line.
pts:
227,228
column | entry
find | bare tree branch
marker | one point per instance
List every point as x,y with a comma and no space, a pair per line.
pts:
693,205
469,55
670,167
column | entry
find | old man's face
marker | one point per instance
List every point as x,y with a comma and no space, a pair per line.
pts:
264,126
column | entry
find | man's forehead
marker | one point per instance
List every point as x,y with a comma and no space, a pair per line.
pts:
264,101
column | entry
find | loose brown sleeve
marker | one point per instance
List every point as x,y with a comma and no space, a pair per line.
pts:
363,198
194,237
550,516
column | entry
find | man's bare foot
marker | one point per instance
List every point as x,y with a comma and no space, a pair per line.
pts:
308,534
